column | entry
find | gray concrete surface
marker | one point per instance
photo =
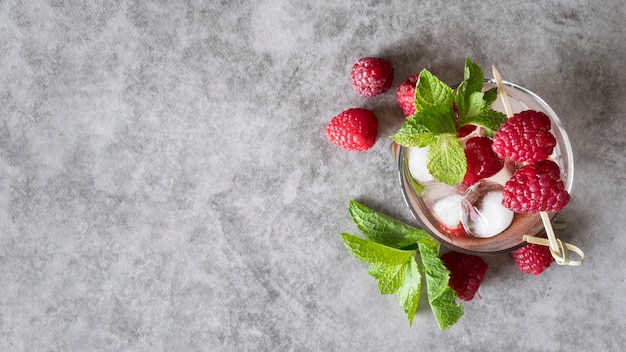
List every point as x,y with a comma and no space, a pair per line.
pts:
166,184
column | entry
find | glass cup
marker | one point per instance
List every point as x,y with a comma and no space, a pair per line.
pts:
522,224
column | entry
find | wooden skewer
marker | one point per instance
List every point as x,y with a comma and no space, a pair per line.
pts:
502,92
558,249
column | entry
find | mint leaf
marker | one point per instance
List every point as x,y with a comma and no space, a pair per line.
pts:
446,160
471,106
384,229
445,308
490,120
414,139
436,118
375,253
490,96
390,278
413,134
469,98
430,91
424,127
409,291
441,297
473,76
376,270
395,270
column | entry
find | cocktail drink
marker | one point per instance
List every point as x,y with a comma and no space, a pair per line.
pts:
468,216
483,167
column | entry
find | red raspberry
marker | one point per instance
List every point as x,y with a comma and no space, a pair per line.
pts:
371,76
535,187
525,137
353,129
532,258
465,130
482,161
466,273
457,231
405,95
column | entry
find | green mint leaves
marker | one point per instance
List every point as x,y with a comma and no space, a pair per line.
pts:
441,297
446,160
472,104
440,112
430,91
390,251
384,229
396,270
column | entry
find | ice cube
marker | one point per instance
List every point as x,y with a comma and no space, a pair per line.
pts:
447,210
417,164
434,191
482,212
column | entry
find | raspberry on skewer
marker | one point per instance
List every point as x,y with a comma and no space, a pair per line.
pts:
545,184
535,188
525,137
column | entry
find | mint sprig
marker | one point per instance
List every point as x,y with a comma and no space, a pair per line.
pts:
393,261
431,91
440,112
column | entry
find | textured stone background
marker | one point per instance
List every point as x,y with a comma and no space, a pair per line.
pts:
166,184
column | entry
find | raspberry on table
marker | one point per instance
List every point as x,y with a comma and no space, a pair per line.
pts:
353,129
466,273
482,161
405,95
525,137
532,258
371,76
534,188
